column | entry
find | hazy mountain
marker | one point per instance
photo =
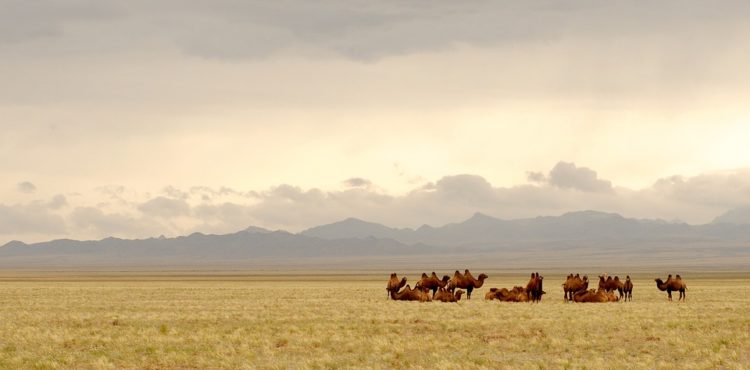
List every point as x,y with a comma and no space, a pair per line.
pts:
739,215
573,239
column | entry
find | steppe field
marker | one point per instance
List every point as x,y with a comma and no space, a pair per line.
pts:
271,320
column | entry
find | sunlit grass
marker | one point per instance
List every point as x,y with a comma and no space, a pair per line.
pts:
305,323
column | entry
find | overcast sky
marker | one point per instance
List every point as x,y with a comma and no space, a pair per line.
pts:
142,118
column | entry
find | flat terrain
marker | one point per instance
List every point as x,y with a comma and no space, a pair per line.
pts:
183,320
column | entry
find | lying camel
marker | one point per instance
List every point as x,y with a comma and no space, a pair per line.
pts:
466,281
394,284
594,296
573,284
432,282
517,294
627,289
443,295
409,294
672,285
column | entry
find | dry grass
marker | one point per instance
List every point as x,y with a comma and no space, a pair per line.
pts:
314,323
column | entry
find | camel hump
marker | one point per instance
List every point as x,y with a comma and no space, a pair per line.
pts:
424,276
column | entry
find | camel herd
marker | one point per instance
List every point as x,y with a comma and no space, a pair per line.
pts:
443,290
575,288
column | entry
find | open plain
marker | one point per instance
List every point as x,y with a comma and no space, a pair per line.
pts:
275,320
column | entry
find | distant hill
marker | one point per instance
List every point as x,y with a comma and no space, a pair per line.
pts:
572,239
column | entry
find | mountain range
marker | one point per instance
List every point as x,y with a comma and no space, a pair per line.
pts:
576,239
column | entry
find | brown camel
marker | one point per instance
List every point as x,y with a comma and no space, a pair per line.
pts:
517,294
394,284
610,285
432,282
492,294
593,296
627,289
443,295
409,294
466,281
672,285
573,284
534,287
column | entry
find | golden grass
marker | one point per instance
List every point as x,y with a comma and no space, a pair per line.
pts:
323,323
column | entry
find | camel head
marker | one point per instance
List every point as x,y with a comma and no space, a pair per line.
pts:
458,294
482,277
393,275
658,281
585,278
627,277
445,278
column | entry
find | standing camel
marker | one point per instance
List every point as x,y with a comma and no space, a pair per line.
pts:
466,281
676,285
627,289
534,289
432,282
573,284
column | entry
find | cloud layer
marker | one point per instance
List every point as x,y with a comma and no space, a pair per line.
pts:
566,187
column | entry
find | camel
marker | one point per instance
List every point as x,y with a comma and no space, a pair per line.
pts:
573,284
676,285
466,281
394,284
443,295
534,287
409,294
492,294
627,289
610,285
432,282
517,294
594,296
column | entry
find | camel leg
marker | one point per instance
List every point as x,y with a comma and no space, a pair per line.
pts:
669,295
468,292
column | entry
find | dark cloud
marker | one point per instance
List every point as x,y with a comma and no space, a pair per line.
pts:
567,176
357,30
57,202
26,187
536,177
357,182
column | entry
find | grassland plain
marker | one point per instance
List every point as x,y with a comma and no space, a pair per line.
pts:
184,321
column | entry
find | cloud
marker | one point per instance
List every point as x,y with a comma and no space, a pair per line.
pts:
696,199
567,176
739,215
165,207
57,202
95,222
30,218
26,187
535,177
357,182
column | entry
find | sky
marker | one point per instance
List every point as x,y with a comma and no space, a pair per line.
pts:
142,118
